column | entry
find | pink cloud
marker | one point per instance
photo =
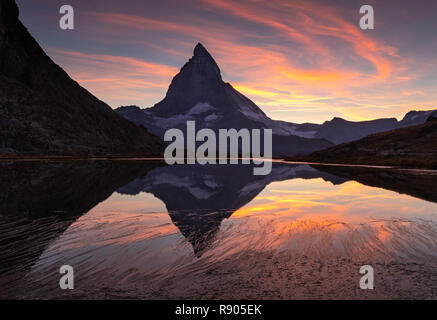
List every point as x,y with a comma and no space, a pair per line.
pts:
308,57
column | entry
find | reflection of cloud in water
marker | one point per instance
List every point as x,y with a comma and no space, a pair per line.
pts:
298,238
198,197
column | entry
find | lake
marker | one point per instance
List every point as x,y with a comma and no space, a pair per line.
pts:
143,230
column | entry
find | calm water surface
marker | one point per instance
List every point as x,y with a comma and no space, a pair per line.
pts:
142,231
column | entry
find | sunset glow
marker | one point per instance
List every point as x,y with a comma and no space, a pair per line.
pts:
298,60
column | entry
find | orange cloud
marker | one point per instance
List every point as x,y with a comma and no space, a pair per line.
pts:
121,79
300,61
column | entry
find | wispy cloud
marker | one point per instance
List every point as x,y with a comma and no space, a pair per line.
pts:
116,78
299,60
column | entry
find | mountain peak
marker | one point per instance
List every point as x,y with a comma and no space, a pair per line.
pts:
200,50
203,61
199,80
335,120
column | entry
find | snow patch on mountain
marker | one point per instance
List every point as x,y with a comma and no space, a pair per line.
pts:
248,112
183,182
201,107
284,129
198,109
213,117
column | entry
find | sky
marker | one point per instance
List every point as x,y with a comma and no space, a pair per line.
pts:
300,61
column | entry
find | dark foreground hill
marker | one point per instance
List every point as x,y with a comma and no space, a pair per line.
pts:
44,112
414,147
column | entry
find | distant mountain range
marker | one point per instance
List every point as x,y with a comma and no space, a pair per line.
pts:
339,130
414,146
44,112
198,93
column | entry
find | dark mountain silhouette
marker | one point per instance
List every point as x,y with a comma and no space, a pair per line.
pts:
44,112
414,146
198,93
339,130
198,198
414,117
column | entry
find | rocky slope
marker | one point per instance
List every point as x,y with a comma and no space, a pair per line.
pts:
414,146
44,112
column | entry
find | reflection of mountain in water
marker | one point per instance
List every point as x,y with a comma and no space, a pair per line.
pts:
199,197
39,201
421,185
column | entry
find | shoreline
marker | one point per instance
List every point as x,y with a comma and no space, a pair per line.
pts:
81,158
156,158
368,166
427,162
